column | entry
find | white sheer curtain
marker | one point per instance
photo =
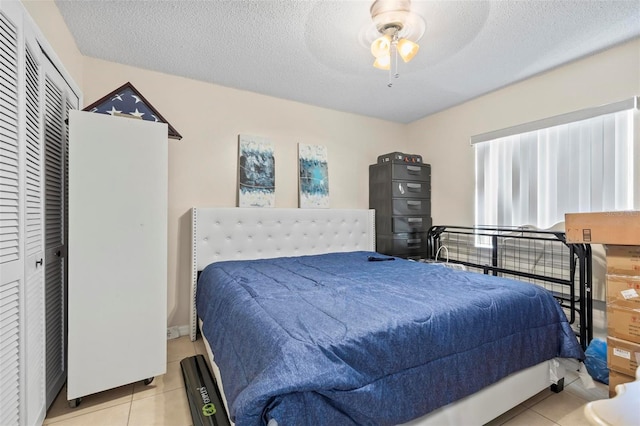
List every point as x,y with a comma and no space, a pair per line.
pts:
534,178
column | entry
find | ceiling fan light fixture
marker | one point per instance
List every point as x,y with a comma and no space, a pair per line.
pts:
398,30
383,62
407,49
380,46
390,13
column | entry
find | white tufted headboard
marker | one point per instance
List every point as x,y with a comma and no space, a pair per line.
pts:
257,233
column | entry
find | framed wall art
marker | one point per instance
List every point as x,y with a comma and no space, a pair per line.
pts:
256,172
313,176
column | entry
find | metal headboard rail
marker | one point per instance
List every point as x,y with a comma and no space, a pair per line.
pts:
521,253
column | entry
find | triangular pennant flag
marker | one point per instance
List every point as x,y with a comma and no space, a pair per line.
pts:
126,100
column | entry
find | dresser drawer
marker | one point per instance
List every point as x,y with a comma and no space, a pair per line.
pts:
411,207
410,244
413,189
411,172
410,224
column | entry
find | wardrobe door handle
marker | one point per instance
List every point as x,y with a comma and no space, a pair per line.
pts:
39,262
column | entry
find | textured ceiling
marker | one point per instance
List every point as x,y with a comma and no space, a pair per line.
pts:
312,51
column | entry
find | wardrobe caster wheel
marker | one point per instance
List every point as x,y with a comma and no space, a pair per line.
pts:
75,402
148,381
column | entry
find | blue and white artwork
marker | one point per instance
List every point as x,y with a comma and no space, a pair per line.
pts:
314,176
256,168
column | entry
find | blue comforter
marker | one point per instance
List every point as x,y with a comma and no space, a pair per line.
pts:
335,339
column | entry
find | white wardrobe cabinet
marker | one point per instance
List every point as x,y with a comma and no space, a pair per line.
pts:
117,252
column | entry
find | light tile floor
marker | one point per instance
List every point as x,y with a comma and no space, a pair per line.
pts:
164,401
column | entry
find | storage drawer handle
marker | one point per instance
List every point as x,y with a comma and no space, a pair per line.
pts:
413,169
416,186
414,241
414,219
414,203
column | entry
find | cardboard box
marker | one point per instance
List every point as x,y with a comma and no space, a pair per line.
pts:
622,356
623,260
623,288
623,321
616,379
620,228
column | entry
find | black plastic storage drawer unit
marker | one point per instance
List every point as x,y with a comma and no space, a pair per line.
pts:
409,245
400,192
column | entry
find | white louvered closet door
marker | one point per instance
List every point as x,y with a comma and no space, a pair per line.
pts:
34,99
58,99
11,258
53,219
34,320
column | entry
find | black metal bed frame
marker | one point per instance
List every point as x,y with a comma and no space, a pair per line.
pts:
536,256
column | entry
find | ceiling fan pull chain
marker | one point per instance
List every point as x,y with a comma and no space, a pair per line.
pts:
393,59
394,55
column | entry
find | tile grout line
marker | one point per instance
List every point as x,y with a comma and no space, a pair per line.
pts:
88,413
156,394
129,415
513,417
553,421
542,415
543,399
130,405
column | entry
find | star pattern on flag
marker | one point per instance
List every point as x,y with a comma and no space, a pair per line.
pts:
137,113
113,111
128,101
125,102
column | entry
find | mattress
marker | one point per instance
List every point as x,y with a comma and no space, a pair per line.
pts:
336,339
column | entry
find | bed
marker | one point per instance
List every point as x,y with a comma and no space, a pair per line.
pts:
327,336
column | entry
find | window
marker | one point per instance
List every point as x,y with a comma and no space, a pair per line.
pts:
536,176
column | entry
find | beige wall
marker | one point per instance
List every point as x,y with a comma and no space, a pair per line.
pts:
47,16
443,138
203,165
